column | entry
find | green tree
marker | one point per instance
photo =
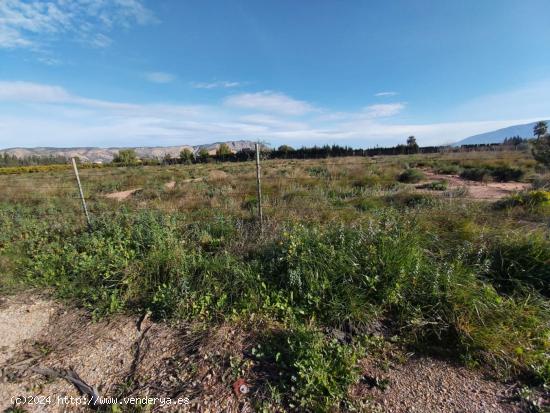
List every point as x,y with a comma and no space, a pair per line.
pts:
540,129
186,156
412,146
286,148
541,150
126,157
223,151
203,155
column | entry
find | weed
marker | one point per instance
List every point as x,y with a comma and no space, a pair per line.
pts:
314,373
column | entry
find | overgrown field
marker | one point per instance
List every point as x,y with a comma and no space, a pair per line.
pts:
354,252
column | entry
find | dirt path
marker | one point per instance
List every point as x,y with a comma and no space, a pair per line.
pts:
132,356
479,190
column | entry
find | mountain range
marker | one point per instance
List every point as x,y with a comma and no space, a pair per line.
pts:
107,154
158,152
498,136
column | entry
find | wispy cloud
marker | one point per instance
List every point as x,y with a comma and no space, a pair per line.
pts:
49,61
222,84
269,101
385,94
383,110
160,77
35,114
34,24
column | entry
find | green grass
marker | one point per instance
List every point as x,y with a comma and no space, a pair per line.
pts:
344,247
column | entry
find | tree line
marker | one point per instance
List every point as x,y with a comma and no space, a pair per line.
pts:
7,160
540,149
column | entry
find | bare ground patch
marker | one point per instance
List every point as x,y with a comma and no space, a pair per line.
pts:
126,356
430,385
170,185
479,190
122,195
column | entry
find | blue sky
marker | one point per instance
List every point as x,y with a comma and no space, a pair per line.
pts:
360,73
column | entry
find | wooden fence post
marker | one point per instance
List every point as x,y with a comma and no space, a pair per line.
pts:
81,195
259,187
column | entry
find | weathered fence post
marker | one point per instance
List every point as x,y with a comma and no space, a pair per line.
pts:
81,194
258,183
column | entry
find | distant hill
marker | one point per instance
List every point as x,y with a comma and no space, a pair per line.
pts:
498,136
107,154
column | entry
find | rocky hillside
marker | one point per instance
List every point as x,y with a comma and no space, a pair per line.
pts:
107,154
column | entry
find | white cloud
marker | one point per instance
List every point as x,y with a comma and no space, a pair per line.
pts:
384,94
383,110
32,92
222,84
35,23
269,101
34,114
160,77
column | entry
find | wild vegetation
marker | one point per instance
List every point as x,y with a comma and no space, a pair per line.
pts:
351,253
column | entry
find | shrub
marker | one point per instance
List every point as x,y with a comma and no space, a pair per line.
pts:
368,204
411,199
496,173
532,200
318,171
435,185
449,169
340,275
140,260
505,174
521,261
476,174
411,176
314,372
542,182
344,277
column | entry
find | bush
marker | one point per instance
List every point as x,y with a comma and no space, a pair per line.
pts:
314,372
368,204
449,169
435,185
531,200
542,182
318,171
476,174
139,260
411,199
411,176
505,174
521,261
496,173
341,275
